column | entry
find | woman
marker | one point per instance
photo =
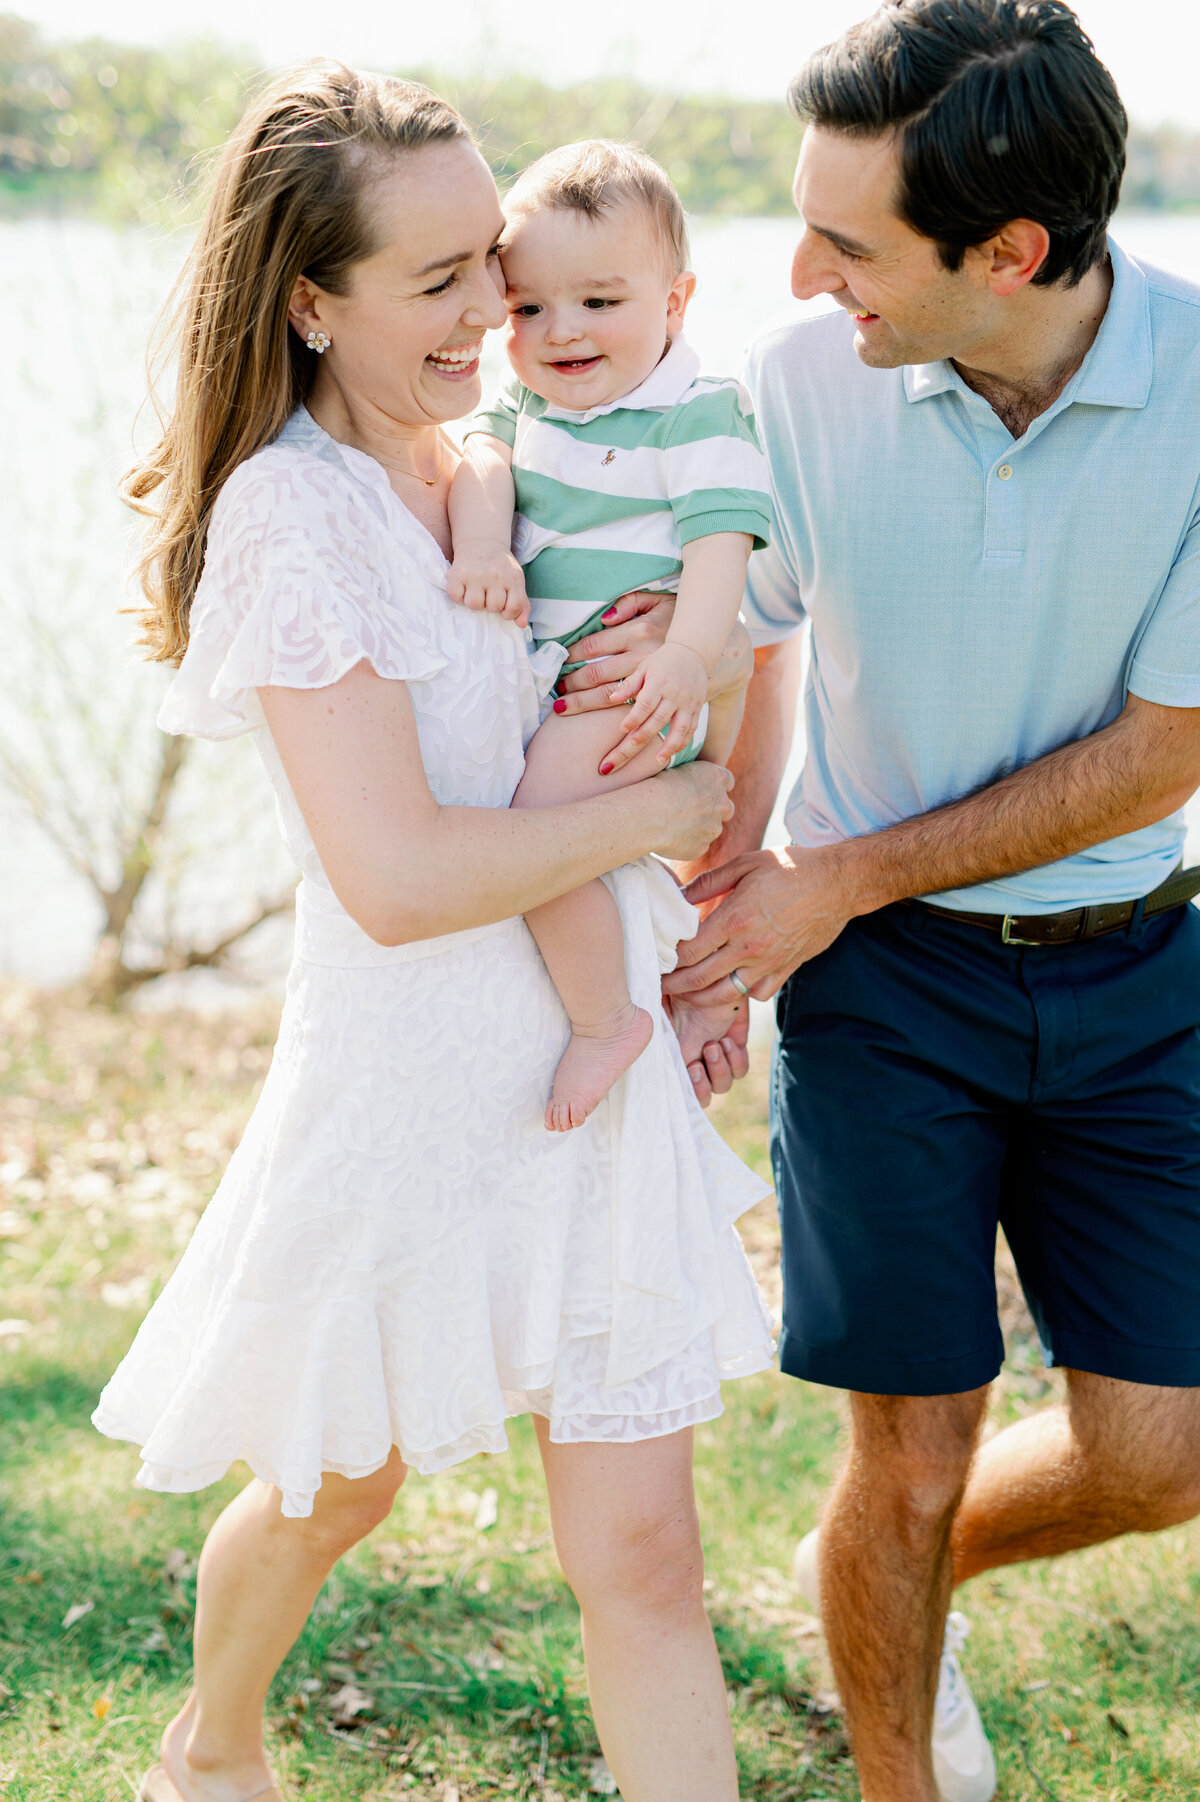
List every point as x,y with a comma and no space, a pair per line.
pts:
400,1256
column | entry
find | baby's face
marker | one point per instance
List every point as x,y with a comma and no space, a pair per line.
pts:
592,303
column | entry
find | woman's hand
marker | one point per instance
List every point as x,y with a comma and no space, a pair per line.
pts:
695,806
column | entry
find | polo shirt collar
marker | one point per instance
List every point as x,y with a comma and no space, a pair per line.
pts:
664,387
1118,370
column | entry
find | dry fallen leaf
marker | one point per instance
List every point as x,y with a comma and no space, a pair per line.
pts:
347,1703
178,1565
101,1706
76,1613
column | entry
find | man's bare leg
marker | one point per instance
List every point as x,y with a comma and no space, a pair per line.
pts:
1118,1458
886,1576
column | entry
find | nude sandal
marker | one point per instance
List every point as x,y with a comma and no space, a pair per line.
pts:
157,1787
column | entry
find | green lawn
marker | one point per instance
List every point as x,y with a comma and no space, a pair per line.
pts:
442,1659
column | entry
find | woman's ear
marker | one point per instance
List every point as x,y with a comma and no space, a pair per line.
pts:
680,292
305,309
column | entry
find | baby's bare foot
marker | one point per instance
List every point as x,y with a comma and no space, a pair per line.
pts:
591,1064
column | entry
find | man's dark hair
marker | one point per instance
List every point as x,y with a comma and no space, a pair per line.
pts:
1004,111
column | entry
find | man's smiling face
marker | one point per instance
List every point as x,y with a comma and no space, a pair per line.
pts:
909,308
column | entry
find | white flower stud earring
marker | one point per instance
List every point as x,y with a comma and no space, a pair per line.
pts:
319,342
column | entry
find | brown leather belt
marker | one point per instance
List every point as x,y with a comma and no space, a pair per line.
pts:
1080,923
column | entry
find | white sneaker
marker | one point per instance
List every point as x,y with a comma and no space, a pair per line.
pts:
964,1767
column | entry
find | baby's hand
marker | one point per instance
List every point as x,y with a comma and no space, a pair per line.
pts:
486,577
670,688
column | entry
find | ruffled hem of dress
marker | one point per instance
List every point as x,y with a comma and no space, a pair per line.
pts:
481,1438
485,1438
631,1340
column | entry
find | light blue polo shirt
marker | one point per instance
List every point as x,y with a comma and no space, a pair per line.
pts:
978,600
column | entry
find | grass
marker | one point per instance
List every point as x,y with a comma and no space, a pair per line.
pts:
442,1660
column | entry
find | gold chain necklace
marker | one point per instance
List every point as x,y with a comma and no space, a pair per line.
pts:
415,474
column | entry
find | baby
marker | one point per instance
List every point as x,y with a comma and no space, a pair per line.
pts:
628,470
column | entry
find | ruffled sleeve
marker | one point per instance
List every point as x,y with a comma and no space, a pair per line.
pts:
303,578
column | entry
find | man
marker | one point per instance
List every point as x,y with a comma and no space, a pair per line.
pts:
987,473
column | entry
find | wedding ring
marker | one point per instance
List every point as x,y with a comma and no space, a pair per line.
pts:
738,984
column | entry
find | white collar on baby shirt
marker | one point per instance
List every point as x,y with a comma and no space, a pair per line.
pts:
664,387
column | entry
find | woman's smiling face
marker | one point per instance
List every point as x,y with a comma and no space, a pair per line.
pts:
405,340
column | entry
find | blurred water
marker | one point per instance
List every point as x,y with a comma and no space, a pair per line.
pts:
80,299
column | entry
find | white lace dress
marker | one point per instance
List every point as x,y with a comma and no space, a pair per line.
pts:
400,1253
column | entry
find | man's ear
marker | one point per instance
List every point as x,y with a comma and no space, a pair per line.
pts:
1013,255
681,291
305,308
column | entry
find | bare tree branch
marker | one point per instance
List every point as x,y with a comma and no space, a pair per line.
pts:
29,794
139,855
112,978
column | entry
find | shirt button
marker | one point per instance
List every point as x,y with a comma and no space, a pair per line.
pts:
1004,471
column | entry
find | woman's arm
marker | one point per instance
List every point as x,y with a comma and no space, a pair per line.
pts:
407,868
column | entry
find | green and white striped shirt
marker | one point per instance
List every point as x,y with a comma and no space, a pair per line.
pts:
607,499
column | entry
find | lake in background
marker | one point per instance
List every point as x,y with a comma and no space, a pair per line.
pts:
80,299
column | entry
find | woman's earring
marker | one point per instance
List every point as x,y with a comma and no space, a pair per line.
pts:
319,342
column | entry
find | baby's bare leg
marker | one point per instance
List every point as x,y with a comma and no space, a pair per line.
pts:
579,935
724,723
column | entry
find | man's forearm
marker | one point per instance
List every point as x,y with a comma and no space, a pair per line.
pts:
760,755
1131,774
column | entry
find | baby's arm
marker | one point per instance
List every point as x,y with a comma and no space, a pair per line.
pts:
484,573
671,685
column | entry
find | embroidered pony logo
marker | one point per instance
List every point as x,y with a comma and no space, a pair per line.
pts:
608,459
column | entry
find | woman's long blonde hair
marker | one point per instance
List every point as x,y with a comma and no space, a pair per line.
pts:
287,200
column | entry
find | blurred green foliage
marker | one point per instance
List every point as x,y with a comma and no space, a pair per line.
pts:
126,132
123,131
108,127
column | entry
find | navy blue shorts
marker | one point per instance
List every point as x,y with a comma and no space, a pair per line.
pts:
929,1082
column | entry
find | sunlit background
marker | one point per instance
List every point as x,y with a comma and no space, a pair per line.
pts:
707,45
98,155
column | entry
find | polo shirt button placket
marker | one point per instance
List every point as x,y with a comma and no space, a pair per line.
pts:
1003,530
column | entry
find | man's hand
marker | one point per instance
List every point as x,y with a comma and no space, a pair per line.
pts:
779,908
712,1040
722,1062
486,577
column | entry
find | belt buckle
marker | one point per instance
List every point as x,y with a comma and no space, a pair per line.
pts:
1009,937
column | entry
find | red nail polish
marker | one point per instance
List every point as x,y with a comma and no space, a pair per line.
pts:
605,769
560,706
609,613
